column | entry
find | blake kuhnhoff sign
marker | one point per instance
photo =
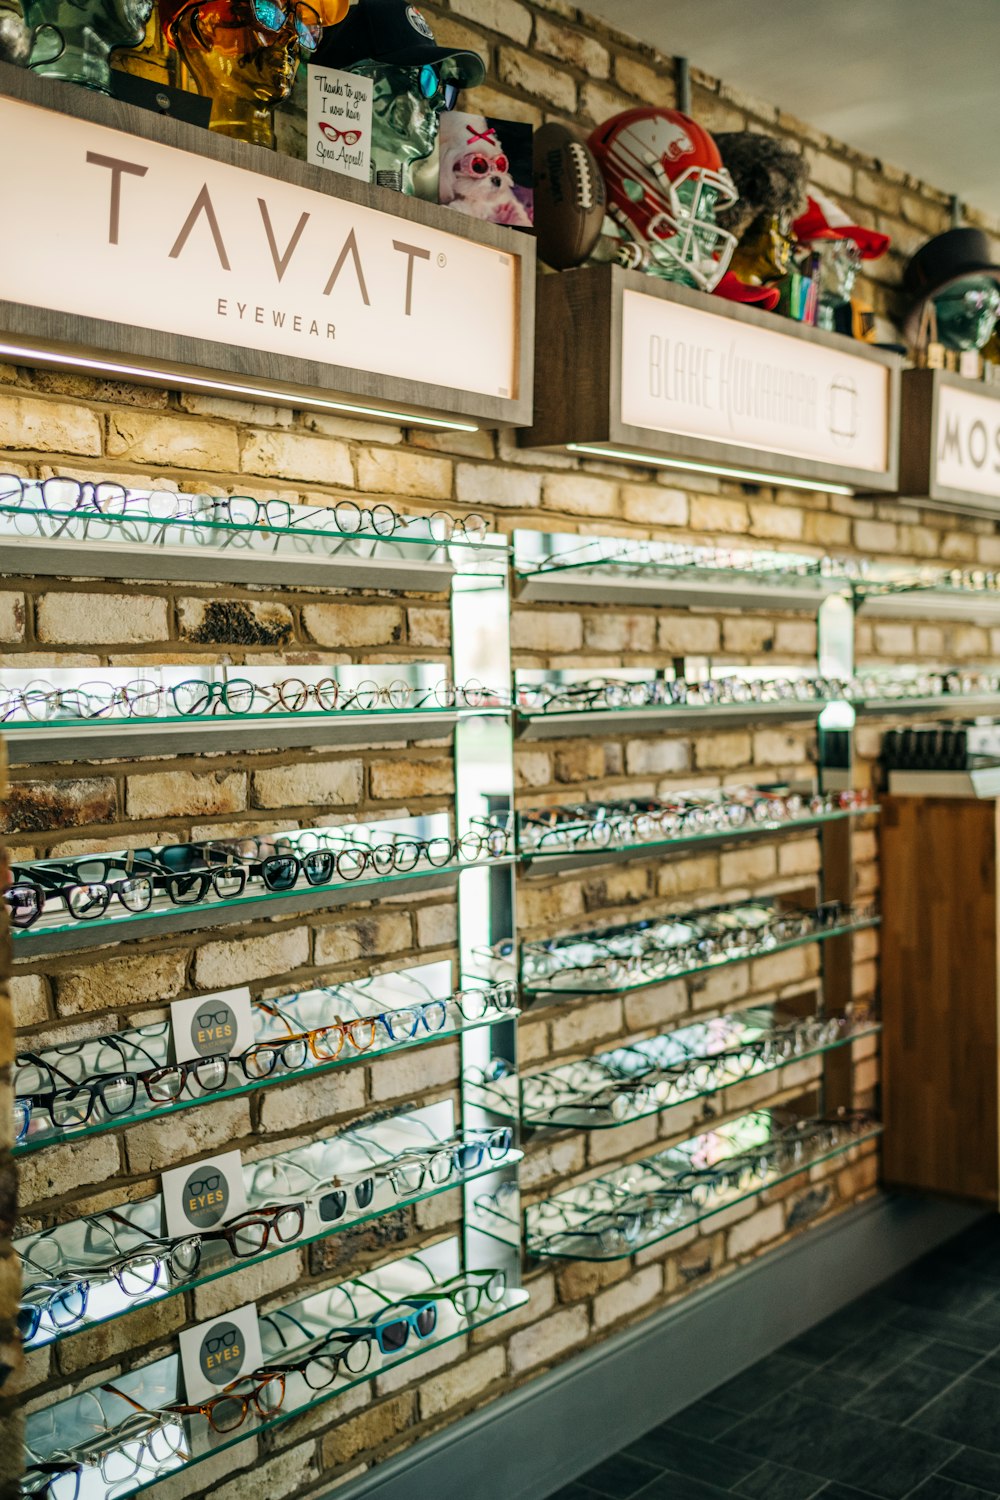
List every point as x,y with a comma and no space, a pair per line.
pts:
101,224
691,372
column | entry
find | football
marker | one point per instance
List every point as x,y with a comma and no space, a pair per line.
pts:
570,199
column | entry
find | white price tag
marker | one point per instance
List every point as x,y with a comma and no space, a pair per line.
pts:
339,131
212,1024
218,1352
203,1196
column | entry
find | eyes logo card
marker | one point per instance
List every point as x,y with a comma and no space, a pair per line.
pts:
210,1025
339,128
220,1351
203,1196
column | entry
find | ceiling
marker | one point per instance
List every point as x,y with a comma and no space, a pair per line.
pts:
913,82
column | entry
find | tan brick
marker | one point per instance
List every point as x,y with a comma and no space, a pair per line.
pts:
278,1477
718,987
747,636
656,1006
621,886
894,640
745,866
394,471
653,505
560,1160
688,635
651,85
581,762
715,514
532,768
296,455
578,48
795,638
48,426
11,617
781,747
140,979
678,877
98,1345
580,494
366,937
630,1297
875,536
527,74
220,965
175,442
70,619
511,20
306,1104
489,485
612,1145
400,779
781,521
458,1386
333,783
365,1433
831,173
614,632
29,999
541,908
546,630
582,1023
175,794
722,751
656,757
428,627
765,1225
437,926
348,625
800,857
67,1169
559,1333
789,967
414,1074
196,1132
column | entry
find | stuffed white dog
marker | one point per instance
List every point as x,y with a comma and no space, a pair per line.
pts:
475,173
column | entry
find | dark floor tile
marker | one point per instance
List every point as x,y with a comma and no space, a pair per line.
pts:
942,1356
898,1395
988,1370
967,1413
828,1384
964,1332
874,1356
950,1288
773,1482
619,1476
575,1491
759,1384
859,1451
974,1467
712,1463
937,1488
704,1420
843,1492
682,1487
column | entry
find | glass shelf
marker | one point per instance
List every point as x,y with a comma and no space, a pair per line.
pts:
85,1421
84,1247
649,1201
61,933
153,541
895,590
616,1088
632,718
555,857
918,689
690,926
395,995
117,733
618,570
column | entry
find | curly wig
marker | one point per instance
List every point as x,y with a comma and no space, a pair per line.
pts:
770,177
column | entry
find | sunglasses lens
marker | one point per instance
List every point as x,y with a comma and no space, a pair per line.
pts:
269,14
319,867
450,95
393,1336
364,1192
188,890
428,82
333,1206
22,1118
280,872
28,1318
427,1320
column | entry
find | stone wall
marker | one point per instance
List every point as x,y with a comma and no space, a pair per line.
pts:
545,62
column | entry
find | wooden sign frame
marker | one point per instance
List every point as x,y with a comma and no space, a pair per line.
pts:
578,378
919,479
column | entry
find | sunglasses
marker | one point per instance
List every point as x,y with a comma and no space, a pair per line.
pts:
63,1304
85,888
183,873
392,1334
273,17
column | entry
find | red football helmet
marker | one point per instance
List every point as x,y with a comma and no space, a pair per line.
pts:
665,181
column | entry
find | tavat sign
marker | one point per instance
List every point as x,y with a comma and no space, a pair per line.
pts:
289,267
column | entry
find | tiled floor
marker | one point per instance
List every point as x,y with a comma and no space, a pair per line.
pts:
896,1396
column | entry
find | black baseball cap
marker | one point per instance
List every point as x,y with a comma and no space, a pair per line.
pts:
393,32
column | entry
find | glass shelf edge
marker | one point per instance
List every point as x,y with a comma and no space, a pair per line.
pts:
300,1075
704,1217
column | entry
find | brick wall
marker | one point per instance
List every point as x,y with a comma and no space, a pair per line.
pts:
544,62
